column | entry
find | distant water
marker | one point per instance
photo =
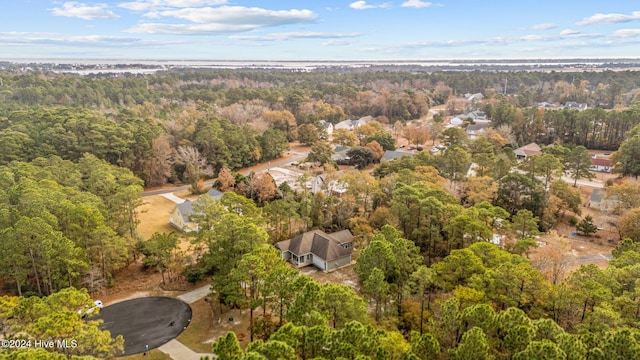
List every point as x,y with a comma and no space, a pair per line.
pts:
146,66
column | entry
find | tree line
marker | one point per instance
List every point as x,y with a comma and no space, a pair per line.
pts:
66,224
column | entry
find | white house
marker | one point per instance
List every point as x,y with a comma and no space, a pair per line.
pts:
572,105
599,164
320,183
352,124
327,126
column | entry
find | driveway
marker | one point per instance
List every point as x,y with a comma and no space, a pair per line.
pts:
145,323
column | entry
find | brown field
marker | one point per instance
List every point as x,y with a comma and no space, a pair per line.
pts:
154,354
154,215
200,331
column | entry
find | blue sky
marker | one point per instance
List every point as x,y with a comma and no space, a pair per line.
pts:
319,29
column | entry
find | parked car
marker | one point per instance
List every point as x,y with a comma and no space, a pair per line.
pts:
89,310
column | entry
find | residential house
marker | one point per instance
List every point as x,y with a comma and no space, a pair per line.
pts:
325,251
599,200
322,184
479,117
599,164
474,116
457,121
527,150
340,154
352,124
393,154
326,126
282,175
474,97
474,130
181,215
572,105
546,105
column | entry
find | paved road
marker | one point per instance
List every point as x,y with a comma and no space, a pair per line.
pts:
593,258
145,323
596,184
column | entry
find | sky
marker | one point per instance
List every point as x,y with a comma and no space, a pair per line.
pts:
319,29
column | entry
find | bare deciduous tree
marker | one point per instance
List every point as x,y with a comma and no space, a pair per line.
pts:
196,165
161,161
226,179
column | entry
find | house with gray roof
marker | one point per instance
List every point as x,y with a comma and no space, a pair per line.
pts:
181,214
340,154
599,200
325,251
393,154
327,126
473,130
352,124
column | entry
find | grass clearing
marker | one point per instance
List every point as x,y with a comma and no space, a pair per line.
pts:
200,330
154,215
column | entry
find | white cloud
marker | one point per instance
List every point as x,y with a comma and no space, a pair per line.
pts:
146,5
337,43
563,35
417,4
223,19
545,26
362,5
567,32
95,41
188,29
295,35
626,33
609,18
535,37
241,15
84,11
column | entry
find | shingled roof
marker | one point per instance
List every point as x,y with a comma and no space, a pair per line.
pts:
186,208
528,150
319,243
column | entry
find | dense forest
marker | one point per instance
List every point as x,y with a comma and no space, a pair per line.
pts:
140,122
76,153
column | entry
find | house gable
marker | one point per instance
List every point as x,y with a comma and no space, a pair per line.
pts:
326,251
393,154
528,150
181,214
598,164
